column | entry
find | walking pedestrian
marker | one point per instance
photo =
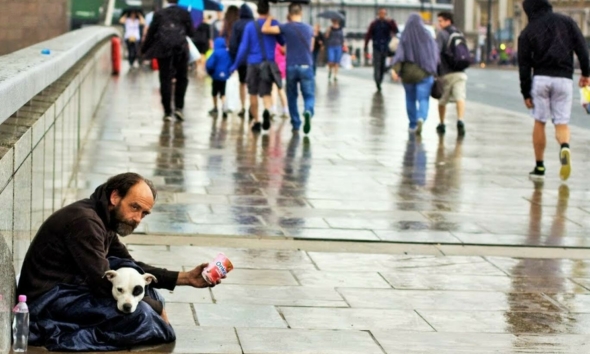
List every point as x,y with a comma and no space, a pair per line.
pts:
281,59
451,71
318,43
546,47
218,66
237,32
381,31
166,41
132,22
203,40
334,42
299,39
416,62
256,48
232,15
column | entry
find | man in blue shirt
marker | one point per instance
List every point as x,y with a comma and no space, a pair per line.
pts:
299,39
251,52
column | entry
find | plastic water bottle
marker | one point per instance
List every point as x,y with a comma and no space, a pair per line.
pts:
20,325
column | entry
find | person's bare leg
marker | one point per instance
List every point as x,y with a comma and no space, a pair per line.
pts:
254,107
442,111
283,98
562,133
539,140
460,110
214,102
267,101
336,71
243,95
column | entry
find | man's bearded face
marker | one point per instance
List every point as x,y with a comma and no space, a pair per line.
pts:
121,225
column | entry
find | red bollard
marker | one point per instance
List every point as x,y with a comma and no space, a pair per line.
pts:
116,54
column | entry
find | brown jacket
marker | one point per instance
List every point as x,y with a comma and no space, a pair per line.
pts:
72,247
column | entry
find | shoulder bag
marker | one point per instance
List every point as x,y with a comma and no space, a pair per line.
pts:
269,70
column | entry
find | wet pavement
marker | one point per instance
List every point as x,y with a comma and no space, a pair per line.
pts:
360,178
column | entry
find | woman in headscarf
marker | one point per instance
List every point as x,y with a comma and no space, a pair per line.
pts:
416,62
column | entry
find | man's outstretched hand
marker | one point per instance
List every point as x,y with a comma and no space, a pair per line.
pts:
195,278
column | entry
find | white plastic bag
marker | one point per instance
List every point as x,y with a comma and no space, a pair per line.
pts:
346,61
232,93
194,54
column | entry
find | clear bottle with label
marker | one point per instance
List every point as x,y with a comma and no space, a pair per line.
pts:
20,325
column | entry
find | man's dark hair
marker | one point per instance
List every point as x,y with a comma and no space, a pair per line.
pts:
263,7
173,1
295,9
447,16
124,181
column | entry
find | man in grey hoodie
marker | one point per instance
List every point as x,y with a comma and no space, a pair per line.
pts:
546,62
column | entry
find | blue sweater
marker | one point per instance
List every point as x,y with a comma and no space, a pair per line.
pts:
219,62
250,46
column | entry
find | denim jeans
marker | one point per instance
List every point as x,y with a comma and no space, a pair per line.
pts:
304,77
417,100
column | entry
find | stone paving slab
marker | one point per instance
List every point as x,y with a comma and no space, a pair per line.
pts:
232,315
451,343
302,341
357,318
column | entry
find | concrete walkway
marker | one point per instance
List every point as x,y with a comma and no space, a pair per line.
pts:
358,238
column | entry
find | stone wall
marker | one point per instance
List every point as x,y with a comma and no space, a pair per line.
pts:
26,22
39,146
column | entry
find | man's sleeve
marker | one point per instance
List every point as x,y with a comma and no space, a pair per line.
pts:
152,29
440,41
85,240
581,49
280,37
369,34
525,65
394,28
165,279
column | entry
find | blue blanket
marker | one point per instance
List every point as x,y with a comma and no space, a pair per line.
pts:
70,318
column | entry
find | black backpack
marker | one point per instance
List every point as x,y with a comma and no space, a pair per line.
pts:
172,35
458,56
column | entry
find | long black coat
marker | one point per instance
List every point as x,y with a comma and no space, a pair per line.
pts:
154,45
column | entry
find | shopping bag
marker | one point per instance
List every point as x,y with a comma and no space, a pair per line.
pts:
194,54
232,93
585,98
346,61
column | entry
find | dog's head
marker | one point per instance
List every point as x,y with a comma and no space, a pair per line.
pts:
128,287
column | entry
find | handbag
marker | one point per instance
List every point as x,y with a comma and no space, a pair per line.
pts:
393,44
436,91
269,70
194,54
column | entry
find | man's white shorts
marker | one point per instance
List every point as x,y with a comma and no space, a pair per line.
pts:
552,98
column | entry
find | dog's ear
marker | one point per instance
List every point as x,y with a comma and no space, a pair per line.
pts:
110,274
149,278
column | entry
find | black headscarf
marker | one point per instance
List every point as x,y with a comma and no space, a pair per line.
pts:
536,8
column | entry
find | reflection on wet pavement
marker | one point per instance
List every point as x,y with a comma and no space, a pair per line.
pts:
359,176
360,165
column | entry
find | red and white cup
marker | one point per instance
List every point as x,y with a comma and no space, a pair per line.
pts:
217,269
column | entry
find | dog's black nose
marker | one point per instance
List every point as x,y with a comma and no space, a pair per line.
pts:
127,308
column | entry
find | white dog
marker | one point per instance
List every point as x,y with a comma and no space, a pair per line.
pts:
128,287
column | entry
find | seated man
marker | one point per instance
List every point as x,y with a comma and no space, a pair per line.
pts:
63,275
